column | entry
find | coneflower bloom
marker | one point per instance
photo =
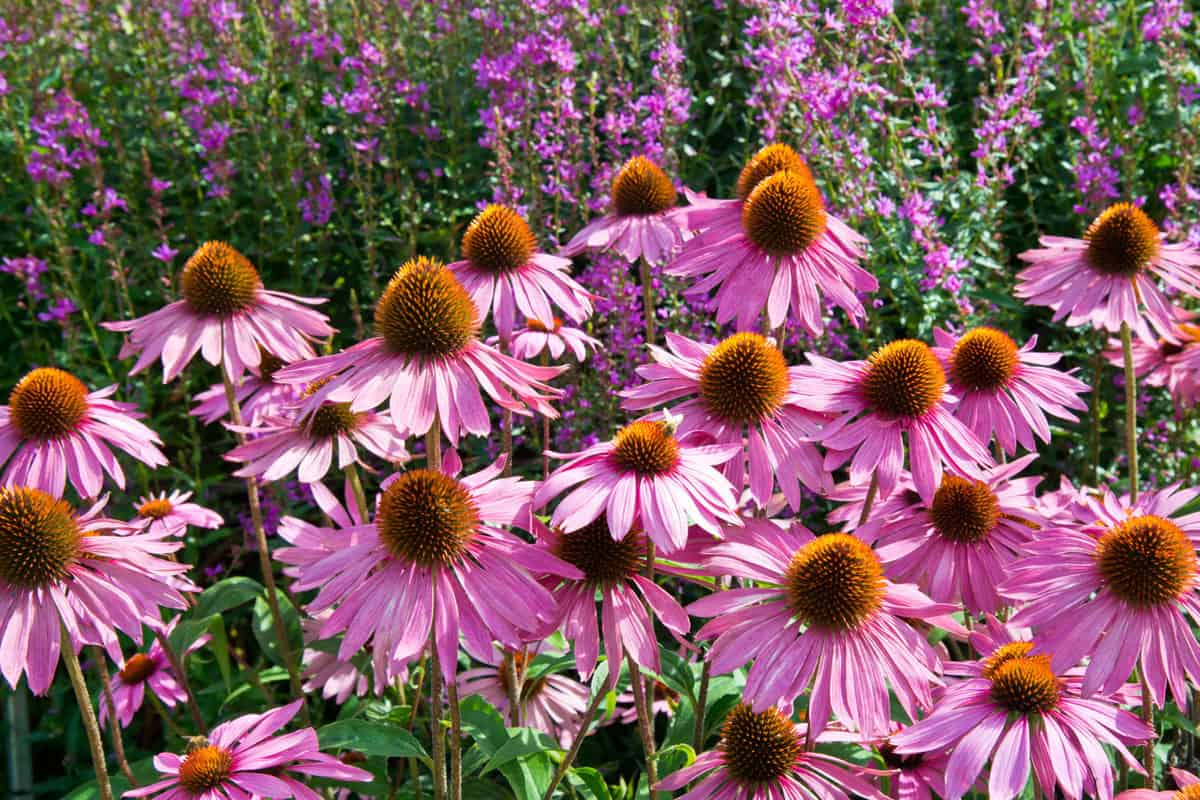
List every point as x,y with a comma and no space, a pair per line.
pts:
259,395
53,429
551,703
1187,783
1005,391
242,759
170,515
663,700
536,337
428,359
775,247
1119,586
1109,276
644,476
225,315
435,543
897,393
1171,363
324,672
58,566
643,221
822,615
739,390
142,672
761,756
503,271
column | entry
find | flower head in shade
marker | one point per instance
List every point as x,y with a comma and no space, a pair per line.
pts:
643,220
739,390
259,395
243,759
324,672
53,429
761,756
503,271
1118,586
897,393
551,703
142,672
1172,362
1004,390
428,359
777,247
663,700
61,567
536,337
171,514
644,476
1188,789
436,544
1112,274
822,615
225,315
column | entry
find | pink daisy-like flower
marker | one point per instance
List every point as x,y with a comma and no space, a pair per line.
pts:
58,567
428,360
739,390
1188,789
761,756
1119,587
1006,391
646,476
225,315
324,672
242,760
1108,276
435,559
503,271
823,615
644,221
777,247
170,515
259,395
529,342
551,703
142,672
897,393
53,429
916,776
663,700
1172,363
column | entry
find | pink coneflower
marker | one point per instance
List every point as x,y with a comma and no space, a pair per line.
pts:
899,392
1119,587
1006,391
225,315
663,700
776,247
824,615
241,759
428,359
645,476
1187,783
324,672
59,567
739,390
258,395
142,672
761,756
436,541
503,271
1172,363
536,337
1108,276
643,222
53,429
551,703
170,515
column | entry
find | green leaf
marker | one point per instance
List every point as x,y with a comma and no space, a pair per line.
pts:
264,626
143,770
589,783
522,742
227,594
370,738
187,632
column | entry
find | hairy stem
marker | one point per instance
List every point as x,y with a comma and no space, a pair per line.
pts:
648,300
360,497
872,490
438,744
90,726
584,724
1130,411
114,725
645,713
455,741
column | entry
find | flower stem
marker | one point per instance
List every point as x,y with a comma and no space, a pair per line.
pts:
513,685
437,735
114,725
177,667
1148,718
506,426
1130,411
90,725
564,766
455,741
360,497
872,490
545,427
647,299
701,706
645,714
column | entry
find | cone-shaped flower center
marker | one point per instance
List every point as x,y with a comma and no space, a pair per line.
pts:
1121,241
835,582
138,668
904,379
331,418
603,560
641,188
765,163
1147,561
157,508
743,379
427,517
498,240
1188,793
268,365
425,311
217,279
205,768
39,539
540,327
1003,654
964,510
645,447
48,403
784,214
758,748
983,359
1020,682
529,689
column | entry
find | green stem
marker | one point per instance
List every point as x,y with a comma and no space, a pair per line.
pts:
872,490
1130,411
177,667
84,700
114,725
360,497
584,724
455,742
435,720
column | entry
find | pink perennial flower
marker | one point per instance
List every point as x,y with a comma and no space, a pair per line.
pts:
739,390
259,395
225,315
170,515
536,338
242,759
504,272
551,703
1005,391
1188,783
53,429
1109,276
142,672
647,477
59,567
1172,362
428,359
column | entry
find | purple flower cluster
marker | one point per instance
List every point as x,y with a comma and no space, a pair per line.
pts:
65,139
1097,178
